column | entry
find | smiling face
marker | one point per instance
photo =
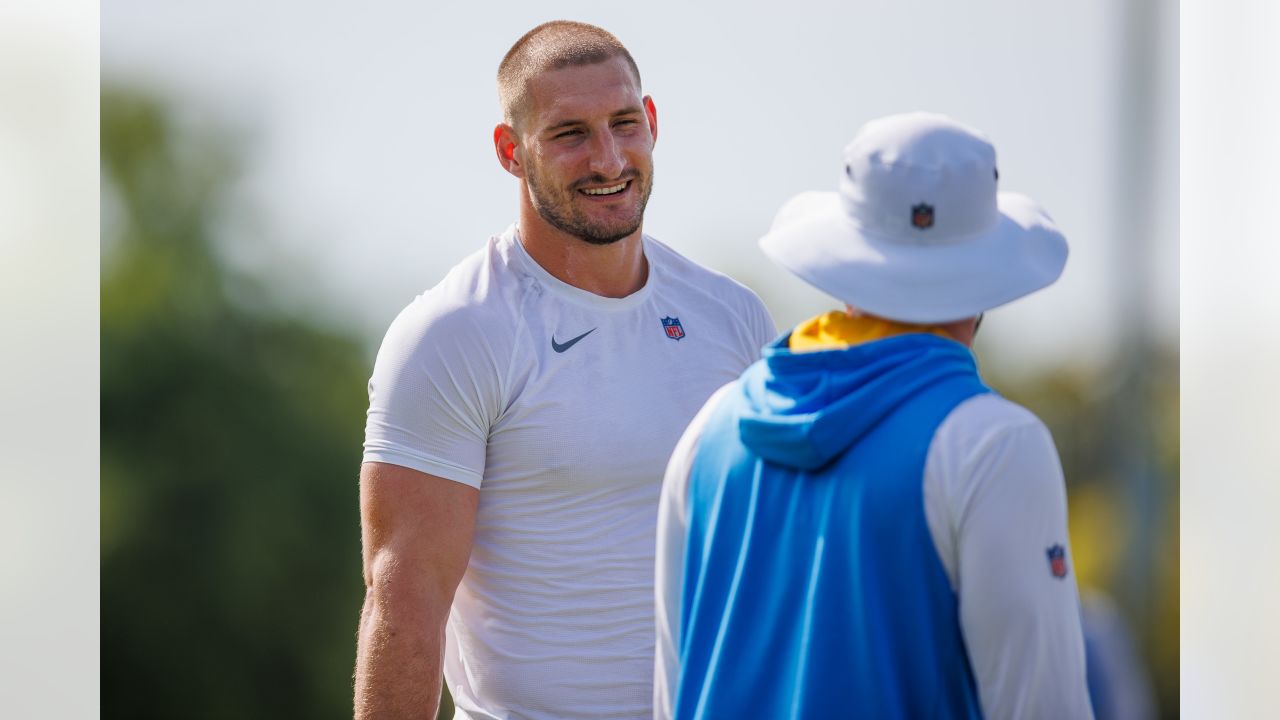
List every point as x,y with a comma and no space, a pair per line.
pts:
584,146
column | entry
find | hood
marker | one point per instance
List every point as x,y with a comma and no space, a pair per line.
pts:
803,409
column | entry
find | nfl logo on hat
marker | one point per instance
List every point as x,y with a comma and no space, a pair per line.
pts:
922,216
918,230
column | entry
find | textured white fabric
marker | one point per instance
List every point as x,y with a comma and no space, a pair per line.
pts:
995,501
673,524
554,616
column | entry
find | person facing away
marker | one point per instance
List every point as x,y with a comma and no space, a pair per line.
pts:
858,526
522,411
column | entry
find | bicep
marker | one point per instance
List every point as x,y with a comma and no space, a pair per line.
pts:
416,529
1021,620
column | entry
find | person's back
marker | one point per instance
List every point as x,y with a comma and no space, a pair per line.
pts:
859,527
842,595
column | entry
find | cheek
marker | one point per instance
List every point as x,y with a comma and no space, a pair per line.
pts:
642,146
558,162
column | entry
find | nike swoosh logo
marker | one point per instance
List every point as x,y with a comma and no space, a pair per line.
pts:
561,347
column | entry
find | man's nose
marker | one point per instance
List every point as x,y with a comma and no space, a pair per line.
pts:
606,156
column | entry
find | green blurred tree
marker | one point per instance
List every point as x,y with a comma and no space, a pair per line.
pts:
230,448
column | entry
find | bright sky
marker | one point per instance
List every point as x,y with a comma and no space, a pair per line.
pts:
370,169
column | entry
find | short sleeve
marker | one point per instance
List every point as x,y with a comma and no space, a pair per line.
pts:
756,328
762,327
434,394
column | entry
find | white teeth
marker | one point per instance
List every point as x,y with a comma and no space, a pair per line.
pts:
605,191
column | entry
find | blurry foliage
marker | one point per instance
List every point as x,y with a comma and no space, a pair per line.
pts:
1079,405
231,578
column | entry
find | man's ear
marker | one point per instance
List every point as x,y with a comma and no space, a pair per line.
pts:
652,113
505,145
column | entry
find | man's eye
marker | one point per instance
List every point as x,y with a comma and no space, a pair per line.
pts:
567,133
626,123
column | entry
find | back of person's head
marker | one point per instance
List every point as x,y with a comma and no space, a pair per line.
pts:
551,46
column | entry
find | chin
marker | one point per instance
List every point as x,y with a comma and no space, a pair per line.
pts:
605,234
603,239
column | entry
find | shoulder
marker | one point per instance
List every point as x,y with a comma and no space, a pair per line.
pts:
988,441
984,419
989,457
476,304
682,271
725,301
990,449
474,309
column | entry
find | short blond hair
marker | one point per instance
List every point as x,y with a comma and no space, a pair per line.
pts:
551,46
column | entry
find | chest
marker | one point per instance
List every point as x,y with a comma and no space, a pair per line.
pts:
597,400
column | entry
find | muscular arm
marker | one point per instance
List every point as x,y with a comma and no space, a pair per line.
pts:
417,531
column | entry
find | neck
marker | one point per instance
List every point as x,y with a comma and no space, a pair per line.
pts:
840,329
615,270
962,331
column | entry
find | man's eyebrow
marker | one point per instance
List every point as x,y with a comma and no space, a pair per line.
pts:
562,124
635,110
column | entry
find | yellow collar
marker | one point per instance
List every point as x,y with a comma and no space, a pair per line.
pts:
837,329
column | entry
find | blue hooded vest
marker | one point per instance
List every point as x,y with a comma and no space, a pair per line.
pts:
812,588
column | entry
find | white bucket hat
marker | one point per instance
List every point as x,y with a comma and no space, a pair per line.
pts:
917,232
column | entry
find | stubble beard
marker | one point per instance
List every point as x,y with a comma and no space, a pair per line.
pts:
561,213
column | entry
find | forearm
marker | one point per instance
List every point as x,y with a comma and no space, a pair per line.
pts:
416,531
399,658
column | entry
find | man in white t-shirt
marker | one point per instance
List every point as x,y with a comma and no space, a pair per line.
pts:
859,527
522,411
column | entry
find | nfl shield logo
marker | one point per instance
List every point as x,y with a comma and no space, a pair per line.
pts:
1057,561
672,325
922,216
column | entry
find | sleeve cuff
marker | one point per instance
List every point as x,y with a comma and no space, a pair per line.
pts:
425,464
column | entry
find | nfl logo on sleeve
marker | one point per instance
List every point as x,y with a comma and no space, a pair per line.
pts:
672,326
1057,561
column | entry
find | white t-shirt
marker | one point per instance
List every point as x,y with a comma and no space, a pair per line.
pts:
562,407
993,487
